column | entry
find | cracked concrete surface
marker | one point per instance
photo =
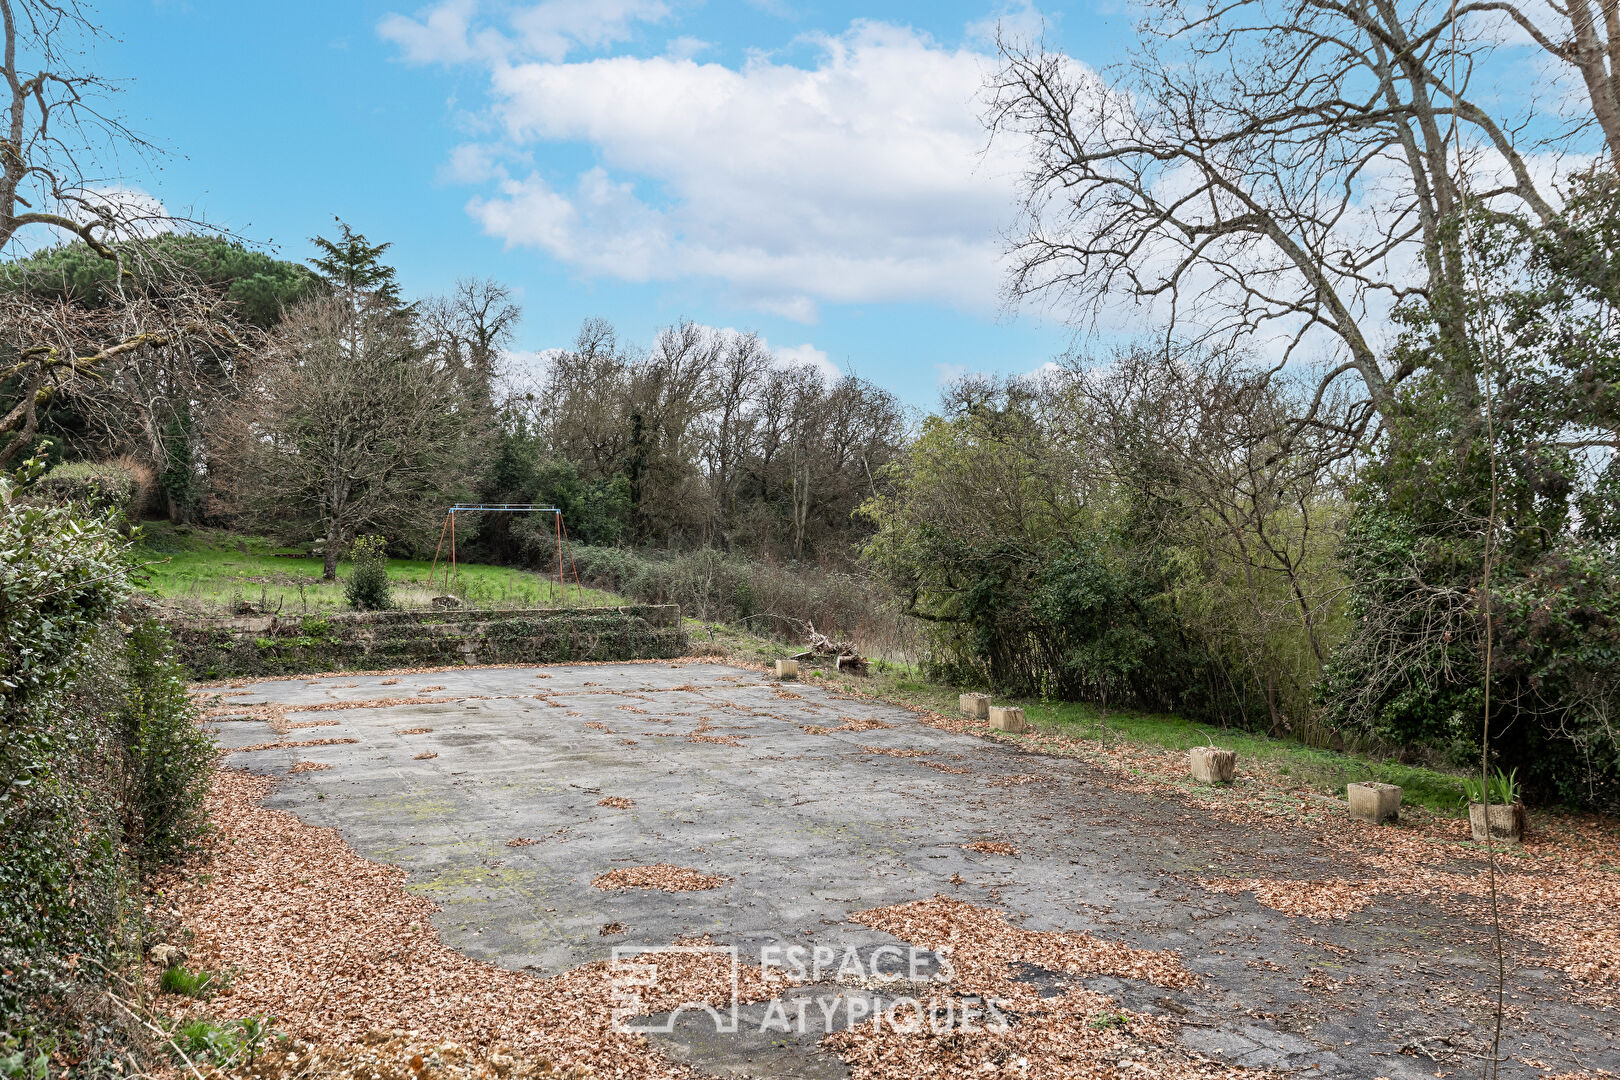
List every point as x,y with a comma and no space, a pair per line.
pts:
811,827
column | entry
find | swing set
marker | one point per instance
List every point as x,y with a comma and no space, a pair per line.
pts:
449,528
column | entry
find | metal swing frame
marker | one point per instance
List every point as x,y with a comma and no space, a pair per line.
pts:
451,569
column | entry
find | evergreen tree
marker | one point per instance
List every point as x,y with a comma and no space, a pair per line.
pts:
352,265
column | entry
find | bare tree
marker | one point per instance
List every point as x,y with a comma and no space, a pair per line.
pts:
349,424
1284,168
125,368
129,364
741,364
473,327
57,126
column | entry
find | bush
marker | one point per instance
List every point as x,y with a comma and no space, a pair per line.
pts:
69,904
170,756
715,586
367,589
101,771
120,486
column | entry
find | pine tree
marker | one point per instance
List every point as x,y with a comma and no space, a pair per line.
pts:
352,266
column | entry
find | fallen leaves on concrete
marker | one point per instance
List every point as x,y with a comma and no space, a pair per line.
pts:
1560,888
658,876
335,948
889,751
1020,779
1309,899
283,726
288,744
1076,1035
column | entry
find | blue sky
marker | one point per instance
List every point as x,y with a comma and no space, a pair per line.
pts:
808,170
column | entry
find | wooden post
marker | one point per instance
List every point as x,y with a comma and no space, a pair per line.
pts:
453,568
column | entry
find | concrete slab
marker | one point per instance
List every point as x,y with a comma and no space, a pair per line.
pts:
729,776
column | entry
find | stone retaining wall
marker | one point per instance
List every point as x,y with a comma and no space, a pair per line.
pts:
374,641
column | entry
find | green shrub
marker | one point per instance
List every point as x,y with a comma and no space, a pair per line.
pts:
367,588
69,891
170,756
20,1063
105,485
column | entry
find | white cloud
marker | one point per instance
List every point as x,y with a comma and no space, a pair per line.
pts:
857,178
686,48
552,29
448,32
439,34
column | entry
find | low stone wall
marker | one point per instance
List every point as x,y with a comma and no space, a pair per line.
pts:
375,641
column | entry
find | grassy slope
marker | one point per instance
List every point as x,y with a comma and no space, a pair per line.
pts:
208,570
1322,771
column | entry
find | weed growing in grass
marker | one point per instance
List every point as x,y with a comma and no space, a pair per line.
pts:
197,984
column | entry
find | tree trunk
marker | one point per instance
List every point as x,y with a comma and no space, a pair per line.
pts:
329,573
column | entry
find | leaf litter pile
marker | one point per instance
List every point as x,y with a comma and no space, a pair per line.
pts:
1076,1035
346,960
661,876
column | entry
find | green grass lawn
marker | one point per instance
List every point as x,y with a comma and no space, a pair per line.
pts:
1322,771
208,571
